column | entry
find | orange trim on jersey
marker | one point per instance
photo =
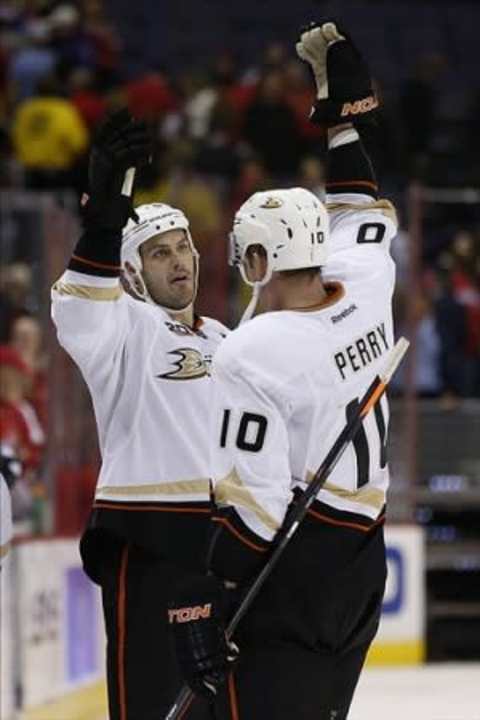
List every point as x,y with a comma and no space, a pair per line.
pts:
232,694
121,628
144,508
335,292
367,183
197,322
240,537
345,523
102,266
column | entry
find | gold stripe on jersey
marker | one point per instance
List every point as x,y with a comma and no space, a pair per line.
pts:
384,205
4,549
88,292
372,497
178,487
231,491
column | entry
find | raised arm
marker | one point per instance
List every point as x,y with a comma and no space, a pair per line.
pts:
88,305
345,103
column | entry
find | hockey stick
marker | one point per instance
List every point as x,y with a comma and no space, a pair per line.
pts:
127,187
299,508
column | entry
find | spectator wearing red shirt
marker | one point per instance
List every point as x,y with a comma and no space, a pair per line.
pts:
19,425
149,97
91,104
26,339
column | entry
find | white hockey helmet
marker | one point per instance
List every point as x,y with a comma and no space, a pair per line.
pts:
154,219
292,227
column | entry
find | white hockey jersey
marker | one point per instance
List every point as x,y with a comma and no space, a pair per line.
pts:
286,382
149,378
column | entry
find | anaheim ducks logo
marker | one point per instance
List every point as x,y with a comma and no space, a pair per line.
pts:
271,203
189,366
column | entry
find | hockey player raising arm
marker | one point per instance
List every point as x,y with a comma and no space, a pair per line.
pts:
146,362
286,382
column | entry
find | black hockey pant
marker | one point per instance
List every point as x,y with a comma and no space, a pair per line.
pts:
304,641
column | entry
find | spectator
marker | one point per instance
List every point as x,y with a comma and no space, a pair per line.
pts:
466,290
271,128
300,97
15,289
418,106
73,46
451,324
149,97
19,425
252,177
105,41
186,189
26,339
426,378
49,137
91,105
31,63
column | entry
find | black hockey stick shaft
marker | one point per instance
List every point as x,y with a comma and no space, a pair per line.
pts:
300,507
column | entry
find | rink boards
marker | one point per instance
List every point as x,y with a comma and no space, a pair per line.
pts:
52,640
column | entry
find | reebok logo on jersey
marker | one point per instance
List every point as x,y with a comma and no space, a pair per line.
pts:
360,353
187,614
345,313
190,365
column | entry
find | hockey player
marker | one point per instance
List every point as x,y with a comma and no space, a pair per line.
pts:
286,382
146,362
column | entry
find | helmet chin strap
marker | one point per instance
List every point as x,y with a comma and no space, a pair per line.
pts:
250,309
257,286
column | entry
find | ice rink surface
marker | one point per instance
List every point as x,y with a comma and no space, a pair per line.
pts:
430,692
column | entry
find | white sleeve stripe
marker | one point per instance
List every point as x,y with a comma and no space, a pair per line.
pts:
348,198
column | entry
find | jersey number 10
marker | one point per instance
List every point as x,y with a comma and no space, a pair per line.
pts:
251,431
253,427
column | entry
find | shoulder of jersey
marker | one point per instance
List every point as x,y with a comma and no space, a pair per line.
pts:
259,342
210,324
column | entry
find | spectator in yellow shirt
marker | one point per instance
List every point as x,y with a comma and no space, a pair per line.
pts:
49,139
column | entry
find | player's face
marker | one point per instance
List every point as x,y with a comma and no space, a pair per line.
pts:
169,269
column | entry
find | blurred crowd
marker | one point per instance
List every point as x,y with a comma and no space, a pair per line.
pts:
222,131
23,389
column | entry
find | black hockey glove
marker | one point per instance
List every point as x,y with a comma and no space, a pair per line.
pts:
121,143
197,616
344,85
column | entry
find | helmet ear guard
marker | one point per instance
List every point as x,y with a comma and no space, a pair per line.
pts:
246,233
132,281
